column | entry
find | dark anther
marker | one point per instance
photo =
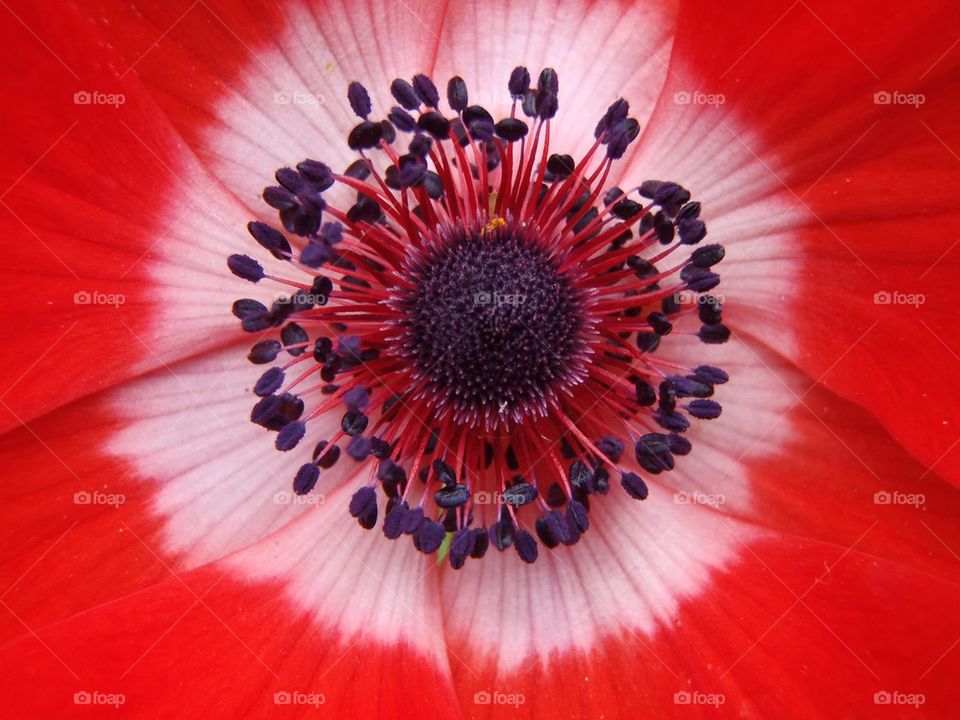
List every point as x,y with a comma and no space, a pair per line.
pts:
451,496
306,479
561,166
620,136
426,90
611,447
634,485
691,231
526,546
444,472
411,520
430,536
615,113
290,435
519,82
707,256
653,453
264,352
271,239
462,545
319,175
435,124
359,100
704,409
354,423
659,323
269,382
363,506
365,135
577,516
648,341
404,94
393,521
457,93
402,120
358,170
519,494
245,267
714,334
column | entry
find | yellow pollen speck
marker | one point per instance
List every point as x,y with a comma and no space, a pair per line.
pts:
495,224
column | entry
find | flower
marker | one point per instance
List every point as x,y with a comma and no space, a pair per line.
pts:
487,326
800,561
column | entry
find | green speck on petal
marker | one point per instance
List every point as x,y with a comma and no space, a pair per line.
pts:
444,548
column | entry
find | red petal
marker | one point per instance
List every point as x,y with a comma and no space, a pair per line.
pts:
825,198
206,644
168,464
772,478
104,206
796,629
255,87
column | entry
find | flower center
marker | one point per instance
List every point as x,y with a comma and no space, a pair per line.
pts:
483,316
492,327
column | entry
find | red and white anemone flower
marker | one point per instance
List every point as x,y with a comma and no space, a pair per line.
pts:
492,267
